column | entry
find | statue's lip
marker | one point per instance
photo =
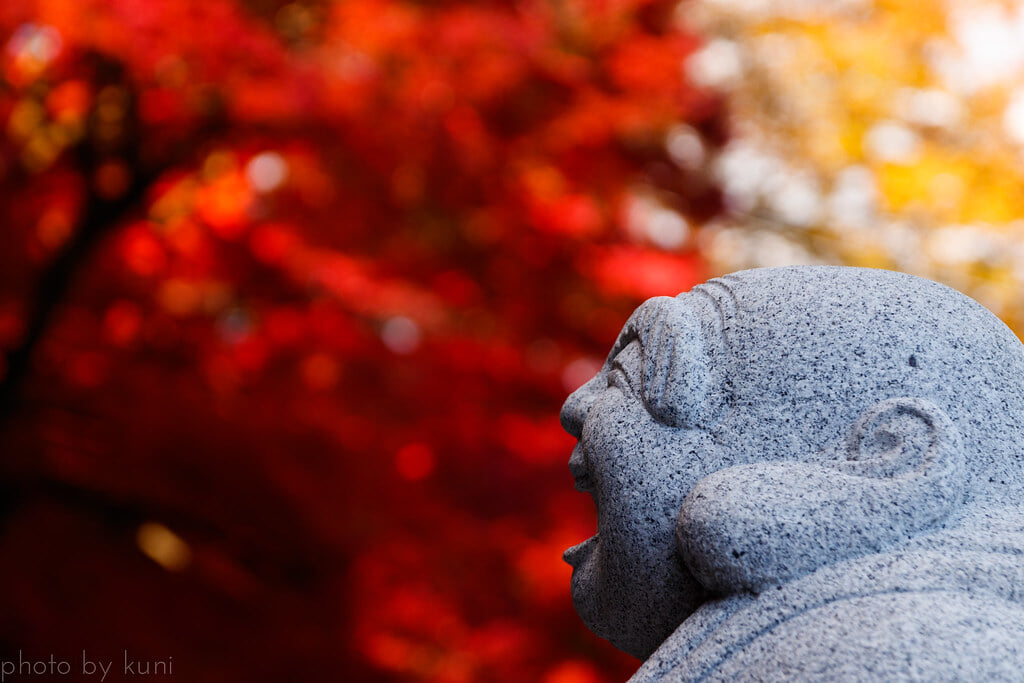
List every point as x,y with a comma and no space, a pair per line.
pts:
575,555
579,470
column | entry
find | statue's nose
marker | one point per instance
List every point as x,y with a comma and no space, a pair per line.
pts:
576,407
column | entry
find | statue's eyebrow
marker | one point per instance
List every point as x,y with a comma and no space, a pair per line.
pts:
673,376
719,294
631,372
626,337
644,320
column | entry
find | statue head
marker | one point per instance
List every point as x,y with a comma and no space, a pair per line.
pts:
774,421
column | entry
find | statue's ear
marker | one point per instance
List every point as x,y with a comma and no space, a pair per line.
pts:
899,473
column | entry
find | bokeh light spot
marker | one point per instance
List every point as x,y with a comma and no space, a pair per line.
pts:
41,42
33,47
572,672
25,118
223,204
180,297
284,326
407,183
122,322
266,172
87,369
163,546
53,229
579,372
685,147
295,22
272,244
111,104
400,334
142,253
218,163
234,326
719,64
12,326
892,141
415,461
320,371
1013,117
648,221
112,179
39,152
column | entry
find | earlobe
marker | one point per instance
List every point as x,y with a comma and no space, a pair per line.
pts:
899,473
903,438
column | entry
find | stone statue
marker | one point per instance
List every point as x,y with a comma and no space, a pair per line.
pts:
806,473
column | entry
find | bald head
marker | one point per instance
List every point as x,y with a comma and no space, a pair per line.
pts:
801,352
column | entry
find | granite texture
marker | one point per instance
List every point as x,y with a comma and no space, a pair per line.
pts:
806,473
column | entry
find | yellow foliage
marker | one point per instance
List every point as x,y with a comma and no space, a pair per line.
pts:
902,119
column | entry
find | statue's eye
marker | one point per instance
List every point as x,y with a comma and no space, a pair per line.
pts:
670,375
624,370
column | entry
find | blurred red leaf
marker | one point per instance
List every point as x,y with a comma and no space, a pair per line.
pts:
328,271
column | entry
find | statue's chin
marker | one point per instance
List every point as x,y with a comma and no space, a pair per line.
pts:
635,618
638,642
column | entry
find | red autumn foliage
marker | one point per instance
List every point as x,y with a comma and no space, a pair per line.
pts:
290,296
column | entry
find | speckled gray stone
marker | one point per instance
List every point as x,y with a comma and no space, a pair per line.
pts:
806,473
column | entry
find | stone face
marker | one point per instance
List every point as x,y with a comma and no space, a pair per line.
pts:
805,473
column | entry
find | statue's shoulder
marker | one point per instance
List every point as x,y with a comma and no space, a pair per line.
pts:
914,616
920,636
